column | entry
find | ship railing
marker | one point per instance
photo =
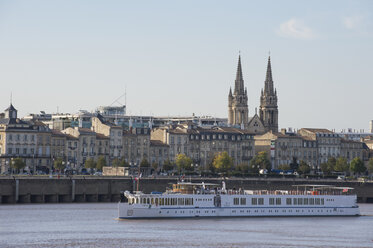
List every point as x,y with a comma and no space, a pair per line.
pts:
294,192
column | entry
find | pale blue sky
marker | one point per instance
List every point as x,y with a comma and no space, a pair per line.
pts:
180,57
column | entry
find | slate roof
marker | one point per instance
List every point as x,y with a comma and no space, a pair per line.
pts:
317,130
11,108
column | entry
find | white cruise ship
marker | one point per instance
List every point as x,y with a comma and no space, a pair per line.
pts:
207,200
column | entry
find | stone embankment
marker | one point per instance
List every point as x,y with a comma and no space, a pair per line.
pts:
107,189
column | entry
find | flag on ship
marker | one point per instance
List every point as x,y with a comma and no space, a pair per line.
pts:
137,178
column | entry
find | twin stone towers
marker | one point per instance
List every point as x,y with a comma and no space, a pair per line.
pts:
238,111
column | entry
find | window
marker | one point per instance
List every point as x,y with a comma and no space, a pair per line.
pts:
254,201
243,201
261,201
288,201
271,201
278,201
236,201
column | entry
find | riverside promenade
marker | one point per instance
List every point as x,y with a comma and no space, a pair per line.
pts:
29,189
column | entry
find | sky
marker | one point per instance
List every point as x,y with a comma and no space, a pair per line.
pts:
176,58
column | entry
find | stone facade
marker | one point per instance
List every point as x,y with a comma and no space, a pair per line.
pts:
103,147
136,143
27,140
353,149
202,144
159,152
311,145
328,143
58,144
114,132
282,148
72,151
86,139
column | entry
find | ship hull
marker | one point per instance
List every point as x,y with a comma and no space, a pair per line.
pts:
127,211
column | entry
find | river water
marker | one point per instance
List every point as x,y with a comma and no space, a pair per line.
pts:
95,225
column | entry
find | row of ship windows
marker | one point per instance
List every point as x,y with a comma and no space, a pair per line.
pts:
190,211
236,201
254,211
277,201
162,201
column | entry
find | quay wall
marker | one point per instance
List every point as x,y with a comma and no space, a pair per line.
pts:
107,189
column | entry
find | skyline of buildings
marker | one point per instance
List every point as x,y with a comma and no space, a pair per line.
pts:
110,133
238,111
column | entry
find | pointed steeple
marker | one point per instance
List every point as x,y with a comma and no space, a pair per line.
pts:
238,86
268,102
268,84
230,91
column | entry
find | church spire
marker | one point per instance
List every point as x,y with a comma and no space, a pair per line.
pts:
238,86
238,110
268,84
268,102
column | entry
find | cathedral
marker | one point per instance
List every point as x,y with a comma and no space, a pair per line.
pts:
238,110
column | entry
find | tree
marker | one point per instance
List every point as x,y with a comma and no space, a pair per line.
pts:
115,162
304,168
155,166
294,164
101,162
144,163
341,165
59,164
357,166
331,163
90,164
260,161
223,162
243,167
18,164
210,166
167,165
183,162
284,167
370,166
325,168
123,163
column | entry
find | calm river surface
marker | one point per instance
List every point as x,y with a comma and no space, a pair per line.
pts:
95,225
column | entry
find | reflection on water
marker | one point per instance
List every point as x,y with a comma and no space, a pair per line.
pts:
95,225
